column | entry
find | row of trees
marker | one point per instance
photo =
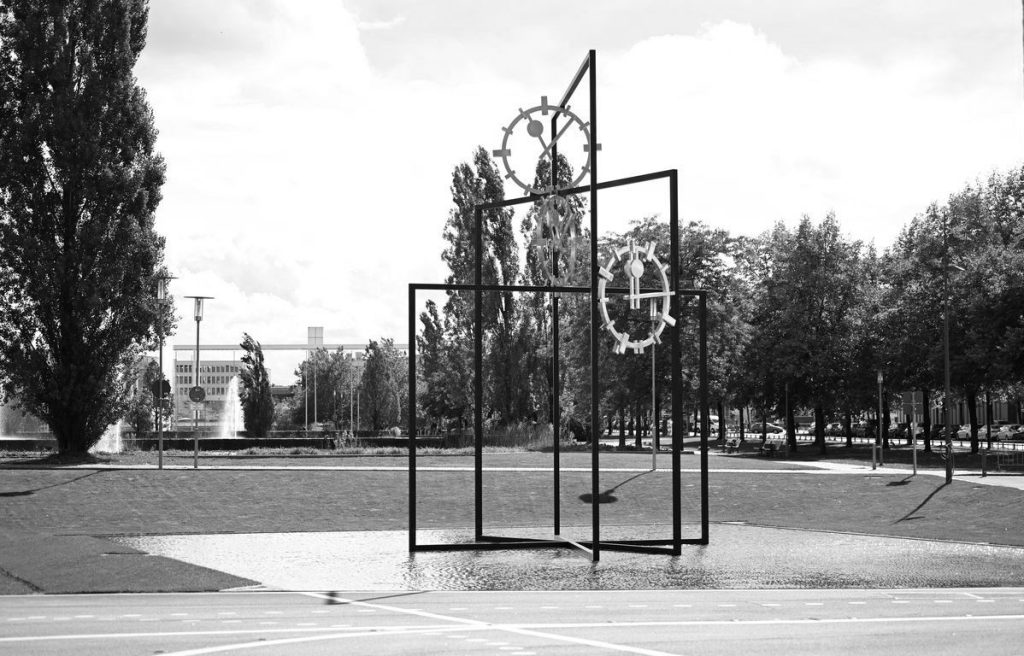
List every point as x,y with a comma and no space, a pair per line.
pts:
804,313
333,387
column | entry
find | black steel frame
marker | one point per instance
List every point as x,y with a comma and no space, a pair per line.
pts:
594,546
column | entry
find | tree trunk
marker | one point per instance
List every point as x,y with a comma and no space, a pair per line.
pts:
636,424
926,412
988,419
622,428
743,437
972,411
848,428
791,427
886,420
721,420
656,434
764,426
819,428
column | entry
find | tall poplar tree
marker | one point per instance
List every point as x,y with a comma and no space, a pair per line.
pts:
254,389
79,186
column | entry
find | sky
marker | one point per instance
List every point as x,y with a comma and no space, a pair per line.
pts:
310,143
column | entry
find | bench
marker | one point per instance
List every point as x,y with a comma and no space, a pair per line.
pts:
731,445
771,447
1001,458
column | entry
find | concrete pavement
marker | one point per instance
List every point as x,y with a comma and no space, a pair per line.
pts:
653,623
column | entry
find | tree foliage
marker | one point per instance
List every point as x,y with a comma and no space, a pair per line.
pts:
254,389
385,384
326,384
79,187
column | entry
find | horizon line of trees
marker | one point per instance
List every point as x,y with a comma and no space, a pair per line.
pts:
802,312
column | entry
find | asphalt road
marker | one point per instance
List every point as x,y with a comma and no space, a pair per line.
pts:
935,621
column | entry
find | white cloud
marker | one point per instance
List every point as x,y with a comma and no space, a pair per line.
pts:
306,188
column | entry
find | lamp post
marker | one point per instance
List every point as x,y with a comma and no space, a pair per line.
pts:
945,343
654,419
161,297
197,393
880,441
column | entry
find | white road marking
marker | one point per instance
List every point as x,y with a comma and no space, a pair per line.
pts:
485,625
727,605
683,605
985,601
813,603
638,605
943,601
374,630
857,603
502,608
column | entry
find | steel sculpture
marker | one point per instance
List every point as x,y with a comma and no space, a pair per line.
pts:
556,238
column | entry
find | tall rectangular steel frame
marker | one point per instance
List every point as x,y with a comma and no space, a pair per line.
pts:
593,546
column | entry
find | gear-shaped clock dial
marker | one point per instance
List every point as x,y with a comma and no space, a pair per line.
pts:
554,235
634,262
527,121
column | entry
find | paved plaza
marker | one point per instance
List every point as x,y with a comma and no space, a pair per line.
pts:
310,555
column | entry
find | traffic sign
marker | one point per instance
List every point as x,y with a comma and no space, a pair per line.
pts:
156,387
197,394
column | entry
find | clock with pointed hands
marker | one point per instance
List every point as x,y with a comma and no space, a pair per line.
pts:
529,131
634,261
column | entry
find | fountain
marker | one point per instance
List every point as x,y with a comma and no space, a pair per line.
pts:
111,440
231,420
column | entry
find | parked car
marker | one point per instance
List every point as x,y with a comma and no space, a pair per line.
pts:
774,428
1006,432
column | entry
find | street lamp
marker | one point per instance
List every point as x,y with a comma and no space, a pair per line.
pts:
879,440
654,419
945,343
197,394
161,297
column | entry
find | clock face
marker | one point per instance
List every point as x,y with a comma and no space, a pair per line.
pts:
634,261
530,138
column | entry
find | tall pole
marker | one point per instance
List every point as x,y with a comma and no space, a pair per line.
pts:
195,417
654,420
160,404
945,401
305,391
881,456
195,431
